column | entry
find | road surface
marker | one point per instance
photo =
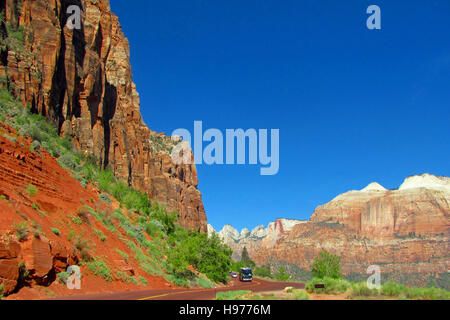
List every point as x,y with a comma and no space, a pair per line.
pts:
257,285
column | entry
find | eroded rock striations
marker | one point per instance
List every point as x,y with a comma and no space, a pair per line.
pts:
81,80
404,231
258,238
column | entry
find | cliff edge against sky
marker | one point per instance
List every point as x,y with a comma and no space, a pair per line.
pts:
81,80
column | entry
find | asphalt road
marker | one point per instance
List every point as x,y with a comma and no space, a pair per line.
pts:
257,285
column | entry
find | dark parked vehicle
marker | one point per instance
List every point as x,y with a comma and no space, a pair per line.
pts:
245,274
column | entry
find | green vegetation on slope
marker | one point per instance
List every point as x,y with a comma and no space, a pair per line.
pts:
172,252
327,272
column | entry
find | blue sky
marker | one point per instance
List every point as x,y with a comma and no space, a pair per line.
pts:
353,105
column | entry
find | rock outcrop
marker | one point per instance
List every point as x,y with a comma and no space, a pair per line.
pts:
405,231
40,235
258,238
81,80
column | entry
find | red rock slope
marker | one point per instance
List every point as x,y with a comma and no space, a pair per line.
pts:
42,253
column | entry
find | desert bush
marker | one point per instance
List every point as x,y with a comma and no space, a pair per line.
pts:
332,286
56,231
231,295
99,268
301,295
427,294
361,289
154,228
83,246
104,180
68,161
101,235
393,289
83,214
35,146
204,283
263,272
63,277
143,281
326,265
31,190
21,231
123,254
105,198
208,255
282,275
159,213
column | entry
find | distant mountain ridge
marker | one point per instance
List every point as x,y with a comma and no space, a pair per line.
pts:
257,238
404,231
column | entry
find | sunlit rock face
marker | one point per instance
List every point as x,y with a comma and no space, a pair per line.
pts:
259,237
81,80
405,231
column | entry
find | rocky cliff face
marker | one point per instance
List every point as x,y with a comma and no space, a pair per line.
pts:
81,80
404,231
258,238
40,236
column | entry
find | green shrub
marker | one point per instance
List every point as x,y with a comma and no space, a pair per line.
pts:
35,146
301,295
154,228
99,268
326,265
237,265
68,161
2,291
101,235
56,231
393,289
83,246
427,294
332,286
143,281
122,276
105,218
204,283
361,289
63,277
21,231
77,220
123,254
231,295
282,275
208,255
263,272
104,180
168,221
31,190
105,198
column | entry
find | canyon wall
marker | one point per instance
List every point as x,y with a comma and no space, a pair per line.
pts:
258,238
404,231
81,80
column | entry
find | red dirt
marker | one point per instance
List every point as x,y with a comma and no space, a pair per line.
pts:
59,198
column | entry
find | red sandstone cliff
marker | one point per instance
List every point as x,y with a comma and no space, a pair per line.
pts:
30,263
81,80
